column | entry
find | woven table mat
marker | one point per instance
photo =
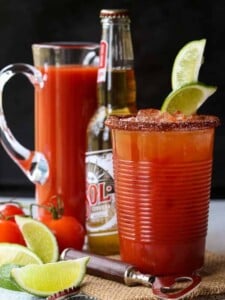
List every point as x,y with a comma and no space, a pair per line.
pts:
211,287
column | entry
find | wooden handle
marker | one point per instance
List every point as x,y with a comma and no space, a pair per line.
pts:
100,266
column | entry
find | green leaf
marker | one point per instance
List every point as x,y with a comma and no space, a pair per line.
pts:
6,281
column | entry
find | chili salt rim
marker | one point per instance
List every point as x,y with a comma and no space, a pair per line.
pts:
130,122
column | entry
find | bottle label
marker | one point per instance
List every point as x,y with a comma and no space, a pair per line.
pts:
101,210
102,61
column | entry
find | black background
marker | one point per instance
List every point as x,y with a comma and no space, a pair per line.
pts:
159,29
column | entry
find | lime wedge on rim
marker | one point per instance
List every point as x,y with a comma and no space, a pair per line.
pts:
39,238
187,99
187,64
17,254
47,279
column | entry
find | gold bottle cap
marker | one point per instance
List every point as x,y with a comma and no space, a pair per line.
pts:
114,13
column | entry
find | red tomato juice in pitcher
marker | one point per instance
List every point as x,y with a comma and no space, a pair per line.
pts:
162,169
63,108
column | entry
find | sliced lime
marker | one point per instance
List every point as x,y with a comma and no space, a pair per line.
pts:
17,254
187,99
187,64
39,238
47,279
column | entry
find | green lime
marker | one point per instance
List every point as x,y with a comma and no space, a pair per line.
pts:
39,238
187,99
47,279
17,254
187,64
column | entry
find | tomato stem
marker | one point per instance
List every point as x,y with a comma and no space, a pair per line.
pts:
56,210
12,201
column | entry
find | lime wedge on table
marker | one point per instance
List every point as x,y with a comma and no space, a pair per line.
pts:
47,279
187,99
39,238
187,64
17,254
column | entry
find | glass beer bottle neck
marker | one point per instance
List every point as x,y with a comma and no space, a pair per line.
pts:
117,91
117,87
117,35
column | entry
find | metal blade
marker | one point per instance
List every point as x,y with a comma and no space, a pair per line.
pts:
175,287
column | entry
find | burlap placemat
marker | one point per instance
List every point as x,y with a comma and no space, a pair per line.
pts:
213,283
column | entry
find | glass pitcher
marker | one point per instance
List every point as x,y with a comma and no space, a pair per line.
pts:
64,77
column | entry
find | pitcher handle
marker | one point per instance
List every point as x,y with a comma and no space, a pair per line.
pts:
32,163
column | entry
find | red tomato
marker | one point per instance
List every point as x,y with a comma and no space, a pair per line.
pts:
9,210
10,233
68,231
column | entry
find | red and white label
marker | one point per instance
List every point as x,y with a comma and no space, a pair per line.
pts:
102,61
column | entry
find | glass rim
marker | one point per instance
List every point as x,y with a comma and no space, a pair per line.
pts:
130,123
67,45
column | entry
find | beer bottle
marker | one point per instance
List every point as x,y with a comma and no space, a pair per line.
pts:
116,89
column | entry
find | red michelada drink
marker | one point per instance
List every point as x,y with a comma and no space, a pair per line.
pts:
163,166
